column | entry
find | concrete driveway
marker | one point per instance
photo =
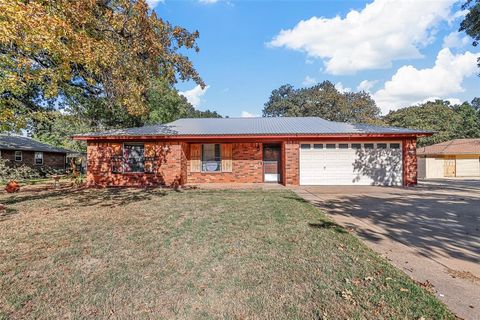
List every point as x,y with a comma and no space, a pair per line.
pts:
431,232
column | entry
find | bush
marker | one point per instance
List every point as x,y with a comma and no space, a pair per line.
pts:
24,172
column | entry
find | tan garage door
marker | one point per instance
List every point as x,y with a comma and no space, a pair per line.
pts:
449,166
468,166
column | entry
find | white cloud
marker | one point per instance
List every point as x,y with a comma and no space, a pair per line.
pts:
366,85
384,31
246,114
339,86
208,1
451,100
455,40
309,81
410,85
153,3
194,96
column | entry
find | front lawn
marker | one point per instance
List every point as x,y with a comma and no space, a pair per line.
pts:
120,253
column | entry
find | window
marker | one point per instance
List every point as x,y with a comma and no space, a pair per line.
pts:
368,145
318,146
18,156
330,146
394,145
134,158
211,158
381,146
38,158
356,146
343,145
305,146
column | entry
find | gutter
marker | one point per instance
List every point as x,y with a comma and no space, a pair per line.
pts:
253,136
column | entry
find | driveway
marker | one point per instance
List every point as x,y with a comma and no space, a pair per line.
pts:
431,232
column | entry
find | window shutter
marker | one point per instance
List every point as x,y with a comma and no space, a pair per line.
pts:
226,157
195,157
150,149
116,149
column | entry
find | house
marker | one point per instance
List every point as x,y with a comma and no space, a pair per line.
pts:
454,158
291,151
19,150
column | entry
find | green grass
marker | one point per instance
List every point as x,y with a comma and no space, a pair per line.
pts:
120,253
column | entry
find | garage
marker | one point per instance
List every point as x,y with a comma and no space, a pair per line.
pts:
459,158
351,163
468,166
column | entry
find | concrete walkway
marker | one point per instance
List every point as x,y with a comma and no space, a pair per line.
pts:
431,232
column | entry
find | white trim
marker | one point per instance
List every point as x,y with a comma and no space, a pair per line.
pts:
15,156
35,158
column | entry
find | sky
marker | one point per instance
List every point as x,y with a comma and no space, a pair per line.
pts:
402,52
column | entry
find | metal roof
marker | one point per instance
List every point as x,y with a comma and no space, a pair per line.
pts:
452,147
16,142
253,126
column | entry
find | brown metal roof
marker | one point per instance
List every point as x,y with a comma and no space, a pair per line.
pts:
457,146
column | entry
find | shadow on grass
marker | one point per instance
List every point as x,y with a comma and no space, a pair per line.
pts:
7,213
327,225
68,197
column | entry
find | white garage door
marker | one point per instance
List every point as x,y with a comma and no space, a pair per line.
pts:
347,163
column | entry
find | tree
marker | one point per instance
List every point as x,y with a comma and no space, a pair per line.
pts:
469,125
476,104
54,127
167,105
447,121
103,50
471,22
322,100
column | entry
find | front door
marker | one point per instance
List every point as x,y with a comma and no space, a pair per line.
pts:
449,166
271,162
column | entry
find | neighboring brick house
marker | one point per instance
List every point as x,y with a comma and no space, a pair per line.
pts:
19,150
291,151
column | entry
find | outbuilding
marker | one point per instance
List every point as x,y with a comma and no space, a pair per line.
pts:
286,150
454,158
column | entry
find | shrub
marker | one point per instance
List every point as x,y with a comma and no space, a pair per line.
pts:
24,172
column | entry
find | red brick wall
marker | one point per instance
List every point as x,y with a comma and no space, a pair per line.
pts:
174,164
247,166
169,165
50,159
409,162
291,159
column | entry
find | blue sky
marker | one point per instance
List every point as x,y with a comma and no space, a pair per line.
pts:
402,52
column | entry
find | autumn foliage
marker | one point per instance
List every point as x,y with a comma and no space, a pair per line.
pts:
50,49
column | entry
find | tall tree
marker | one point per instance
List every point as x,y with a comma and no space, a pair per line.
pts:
447,121
84,115
476,104
322,100
471,22
105,50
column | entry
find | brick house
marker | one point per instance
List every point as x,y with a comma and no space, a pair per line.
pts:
290,151
19,150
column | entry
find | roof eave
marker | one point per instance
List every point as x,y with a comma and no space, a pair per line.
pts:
256,136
